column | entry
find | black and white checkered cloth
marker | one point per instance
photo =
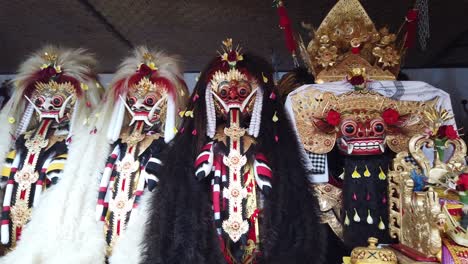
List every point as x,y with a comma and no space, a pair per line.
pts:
318,162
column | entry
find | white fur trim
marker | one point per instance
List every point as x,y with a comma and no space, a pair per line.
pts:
170,123
128,248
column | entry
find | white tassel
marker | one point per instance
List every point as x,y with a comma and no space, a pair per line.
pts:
116,121
25,120
169,125
210,113
255,120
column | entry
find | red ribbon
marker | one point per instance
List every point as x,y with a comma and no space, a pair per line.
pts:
411,25
285,25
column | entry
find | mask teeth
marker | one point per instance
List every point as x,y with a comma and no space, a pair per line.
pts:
350,149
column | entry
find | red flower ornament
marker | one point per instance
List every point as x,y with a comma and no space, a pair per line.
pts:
390,116
333,118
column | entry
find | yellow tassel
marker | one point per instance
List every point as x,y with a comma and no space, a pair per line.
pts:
11,120
152,66
356,217
84,86
370,221
367,172
175,130
58,69
275,118
346,220
265,79
355,174
189,114
381,224
382,175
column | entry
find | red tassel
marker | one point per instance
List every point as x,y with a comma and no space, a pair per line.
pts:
195,97
354,197
384,199
411,25
182,130
276,138
368,197
194,132
285,25
273,96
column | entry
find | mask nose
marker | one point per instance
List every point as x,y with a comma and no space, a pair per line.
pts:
233,93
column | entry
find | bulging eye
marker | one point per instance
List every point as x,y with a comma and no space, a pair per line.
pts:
243,92
39,101
348,128
57,101
150,100
132,100
378,127
223,92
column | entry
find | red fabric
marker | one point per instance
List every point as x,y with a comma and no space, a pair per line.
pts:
202,159
285,25
264,171
411,25
261,157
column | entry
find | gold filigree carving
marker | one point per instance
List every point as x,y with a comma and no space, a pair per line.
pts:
311,105
420,225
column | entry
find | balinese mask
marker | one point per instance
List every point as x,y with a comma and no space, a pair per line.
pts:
362,134
53,100
233,90
145,100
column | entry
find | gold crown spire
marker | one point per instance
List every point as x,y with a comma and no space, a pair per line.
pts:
347,39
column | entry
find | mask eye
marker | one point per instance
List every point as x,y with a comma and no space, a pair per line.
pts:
243,92
349,128
378,127
39,101
150,100
223,92
131,100
57,101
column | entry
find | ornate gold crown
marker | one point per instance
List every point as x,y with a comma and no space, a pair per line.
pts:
51,88
145,86
347,39
232,75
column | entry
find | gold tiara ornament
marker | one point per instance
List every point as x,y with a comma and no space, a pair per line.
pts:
53,87
346,39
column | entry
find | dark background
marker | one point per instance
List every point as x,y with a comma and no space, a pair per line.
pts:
194,29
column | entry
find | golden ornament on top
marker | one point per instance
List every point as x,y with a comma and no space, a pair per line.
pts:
347,38
372,254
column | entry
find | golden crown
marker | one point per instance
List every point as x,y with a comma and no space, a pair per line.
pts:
53,87
347,39
145,86
232,75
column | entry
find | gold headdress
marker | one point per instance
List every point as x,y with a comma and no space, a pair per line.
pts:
312,105
348,39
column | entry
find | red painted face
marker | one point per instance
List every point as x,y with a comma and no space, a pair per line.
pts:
362,138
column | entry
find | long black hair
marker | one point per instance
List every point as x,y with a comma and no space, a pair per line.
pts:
181,227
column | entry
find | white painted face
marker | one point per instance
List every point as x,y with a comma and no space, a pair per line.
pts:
53,100
145,101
